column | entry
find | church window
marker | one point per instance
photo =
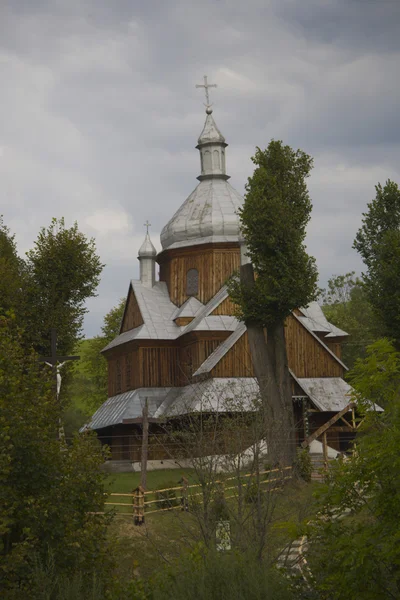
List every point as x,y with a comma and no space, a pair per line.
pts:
192,282
217,161
207,161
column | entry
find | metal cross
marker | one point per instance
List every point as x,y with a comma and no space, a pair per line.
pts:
206,85
147,225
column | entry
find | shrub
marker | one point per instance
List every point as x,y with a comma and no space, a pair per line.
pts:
203,575
303,465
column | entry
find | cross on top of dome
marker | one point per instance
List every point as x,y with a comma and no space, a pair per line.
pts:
207,85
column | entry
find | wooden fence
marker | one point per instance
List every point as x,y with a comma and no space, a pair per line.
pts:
148,502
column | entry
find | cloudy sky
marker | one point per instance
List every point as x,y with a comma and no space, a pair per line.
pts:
100,116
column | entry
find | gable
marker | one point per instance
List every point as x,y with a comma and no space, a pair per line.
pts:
132,316
307,355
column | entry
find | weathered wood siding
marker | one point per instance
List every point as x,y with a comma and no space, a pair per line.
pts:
194,352
152,366
158,367
227,307
132,317
215,263
306,356
336,348
236,362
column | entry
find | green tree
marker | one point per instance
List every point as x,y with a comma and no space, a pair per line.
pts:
90,377
378,242
358,555
47,497
12,273
273,218
64,271
345,304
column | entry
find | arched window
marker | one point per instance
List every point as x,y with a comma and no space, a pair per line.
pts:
192,282
207,161
217,161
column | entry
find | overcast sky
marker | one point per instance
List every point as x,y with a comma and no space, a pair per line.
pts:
100,116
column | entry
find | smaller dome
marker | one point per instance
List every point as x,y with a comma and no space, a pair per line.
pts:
210,133
147,249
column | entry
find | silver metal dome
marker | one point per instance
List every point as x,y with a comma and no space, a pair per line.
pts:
210,212
208,215
147,249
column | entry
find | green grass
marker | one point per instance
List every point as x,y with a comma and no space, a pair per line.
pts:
126,482
166,535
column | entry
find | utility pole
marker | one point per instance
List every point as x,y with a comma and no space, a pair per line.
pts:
145,445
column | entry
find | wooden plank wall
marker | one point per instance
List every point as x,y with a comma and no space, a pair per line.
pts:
236,362
306,356
132,317
227,307
192,355
165,366
215,265
158,367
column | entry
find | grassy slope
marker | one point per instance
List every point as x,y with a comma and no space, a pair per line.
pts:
167,534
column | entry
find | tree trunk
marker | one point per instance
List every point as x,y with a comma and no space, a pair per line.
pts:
269,360
264,372
277,341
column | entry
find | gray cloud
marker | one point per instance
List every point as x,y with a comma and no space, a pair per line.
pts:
99,114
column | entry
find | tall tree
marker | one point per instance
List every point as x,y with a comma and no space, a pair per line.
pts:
280,277
378,242
12,273
64,271
358,555
48,498
346,305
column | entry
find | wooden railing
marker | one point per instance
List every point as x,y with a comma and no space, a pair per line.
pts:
147,502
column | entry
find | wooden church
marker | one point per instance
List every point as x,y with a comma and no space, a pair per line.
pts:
181,350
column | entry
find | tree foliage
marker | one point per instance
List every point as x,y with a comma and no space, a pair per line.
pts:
378,242
12,273
273,218
358,556
345,304
280,278
90,381
46,495
64,271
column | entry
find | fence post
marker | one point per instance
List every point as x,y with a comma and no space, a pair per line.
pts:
184,494
138,505
325,450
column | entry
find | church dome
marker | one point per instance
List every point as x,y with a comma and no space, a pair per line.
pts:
210,213
147,249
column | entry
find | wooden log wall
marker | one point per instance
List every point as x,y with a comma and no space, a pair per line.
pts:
214,262
132,317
